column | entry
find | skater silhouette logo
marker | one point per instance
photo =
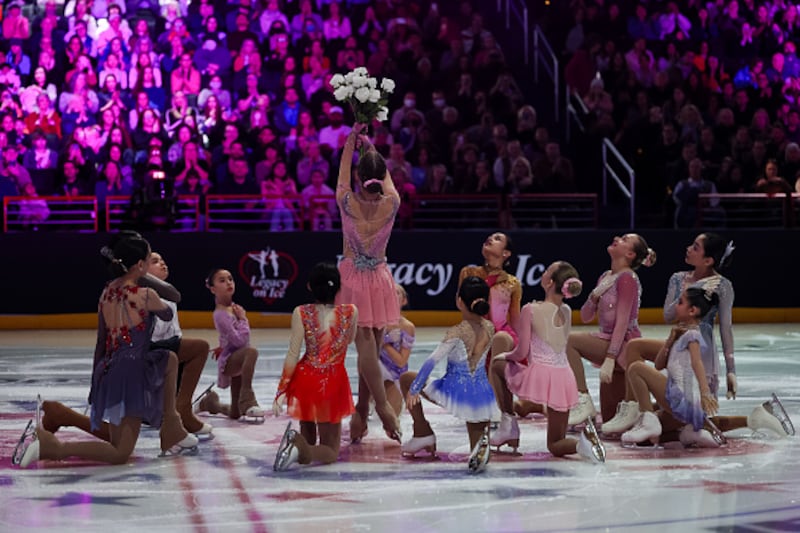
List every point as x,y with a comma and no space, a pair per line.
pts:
268,272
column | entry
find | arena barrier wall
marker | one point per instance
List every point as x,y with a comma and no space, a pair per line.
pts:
53,280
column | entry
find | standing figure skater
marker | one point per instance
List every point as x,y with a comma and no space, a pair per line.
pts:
684,392
368,216
398,341
317,389
464,390
505,297
615,301
130,382
537,370
236,359
192,353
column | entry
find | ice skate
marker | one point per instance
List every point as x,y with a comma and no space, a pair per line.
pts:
248,406
171,429
417,444
589,444
582,411
28,437
287,451
647,427
771,415
479,456
207,402
698,439
719,437
506,433
623,420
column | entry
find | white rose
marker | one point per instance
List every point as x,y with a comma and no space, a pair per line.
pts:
374,96
359,81
362,94
349,77
372,83
387,85
383,114
337,80
341,94
360,71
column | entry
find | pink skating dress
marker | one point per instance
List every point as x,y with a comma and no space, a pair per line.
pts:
617,310
367,281
545,376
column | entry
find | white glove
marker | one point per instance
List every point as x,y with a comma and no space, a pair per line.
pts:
731,386
607,370
277,405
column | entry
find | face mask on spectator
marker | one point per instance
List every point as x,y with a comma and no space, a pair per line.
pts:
215,85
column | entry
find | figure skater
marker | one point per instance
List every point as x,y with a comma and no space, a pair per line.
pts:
464,390
192,354
708,254
398,341
537,369
236,359
317,389
368,216
505,297
615,300
684,392
130,382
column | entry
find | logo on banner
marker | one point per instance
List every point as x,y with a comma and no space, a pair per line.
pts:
269,273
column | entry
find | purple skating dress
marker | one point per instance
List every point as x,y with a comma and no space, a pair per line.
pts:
128,377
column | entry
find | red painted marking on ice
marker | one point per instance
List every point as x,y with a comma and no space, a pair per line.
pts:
255,517
734,447
294,495
720,487
189,496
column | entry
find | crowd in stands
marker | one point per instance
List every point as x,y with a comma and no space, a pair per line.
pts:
700,96
106,97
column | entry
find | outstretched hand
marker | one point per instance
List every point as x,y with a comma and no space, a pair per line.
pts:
216,352
731,378
411,400
277,405
709,404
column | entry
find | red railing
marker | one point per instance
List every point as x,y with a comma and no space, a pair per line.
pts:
316,213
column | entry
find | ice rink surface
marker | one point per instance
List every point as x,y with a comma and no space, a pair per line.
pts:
750,485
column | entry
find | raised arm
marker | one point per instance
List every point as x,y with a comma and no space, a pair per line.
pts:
346,162
163,289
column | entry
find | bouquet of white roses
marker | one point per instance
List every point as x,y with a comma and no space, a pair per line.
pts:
367,99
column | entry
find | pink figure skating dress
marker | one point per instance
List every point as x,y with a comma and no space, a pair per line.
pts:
367,281
545,377
617,310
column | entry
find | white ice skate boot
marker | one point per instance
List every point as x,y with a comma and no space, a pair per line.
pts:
187,446
479,456
287,453
417,444
771,415
506,433
699,439
589,445
627,413
583,410
647,427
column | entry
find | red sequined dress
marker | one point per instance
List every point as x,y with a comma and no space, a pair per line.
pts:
319,388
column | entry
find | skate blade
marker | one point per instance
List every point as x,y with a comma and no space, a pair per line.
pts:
644,445
775,407
202,395
598,449
480,454
283,448
25,440
252,420
719,437
395,434
413,455
180,451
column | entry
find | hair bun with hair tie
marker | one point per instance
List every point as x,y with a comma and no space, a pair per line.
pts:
650,260
566,285
330,283
107,252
